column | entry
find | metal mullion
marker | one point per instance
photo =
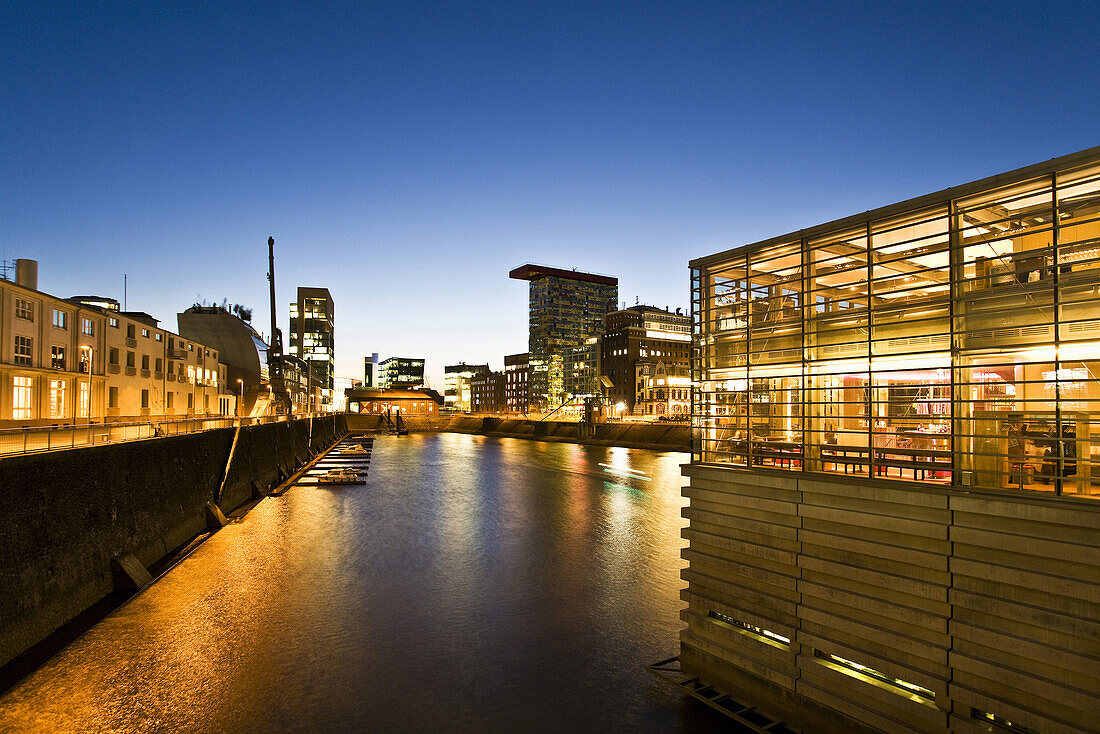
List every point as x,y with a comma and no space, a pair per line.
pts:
870,355
1057,266
953,266
802,247
748,362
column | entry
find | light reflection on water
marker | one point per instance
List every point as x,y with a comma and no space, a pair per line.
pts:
472,584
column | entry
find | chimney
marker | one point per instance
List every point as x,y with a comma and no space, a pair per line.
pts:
26,273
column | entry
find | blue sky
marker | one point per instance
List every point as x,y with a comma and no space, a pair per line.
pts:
407,155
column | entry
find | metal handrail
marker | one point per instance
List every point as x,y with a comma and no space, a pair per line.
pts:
36,439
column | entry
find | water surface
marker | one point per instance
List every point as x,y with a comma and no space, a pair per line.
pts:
473,584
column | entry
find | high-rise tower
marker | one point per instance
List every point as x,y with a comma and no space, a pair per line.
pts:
566,308
311,327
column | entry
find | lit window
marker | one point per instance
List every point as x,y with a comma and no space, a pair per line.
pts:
21,397
88,327
57,357
84,401
112,321
57,398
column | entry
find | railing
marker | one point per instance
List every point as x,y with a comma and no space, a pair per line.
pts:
34,439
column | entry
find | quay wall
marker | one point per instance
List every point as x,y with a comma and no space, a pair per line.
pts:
990,602
64,515
654,436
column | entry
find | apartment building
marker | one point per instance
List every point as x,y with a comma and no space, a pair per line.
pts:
81,359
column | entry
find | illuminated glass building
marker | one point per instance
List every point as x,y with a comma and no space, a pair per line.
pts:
404,373
311,329
456,384
566,308
892,515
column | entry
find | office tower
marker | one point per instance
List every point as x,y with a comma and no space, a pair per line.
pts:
566,308
401,373
456,384
311,329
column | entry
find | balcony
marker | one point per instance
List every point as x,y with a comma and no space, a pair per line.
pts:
131,342
171,377
158,375
113,369
177,354
131,371
145,373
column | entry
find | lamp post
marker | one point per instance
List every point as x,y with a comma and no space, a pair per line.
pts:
240,398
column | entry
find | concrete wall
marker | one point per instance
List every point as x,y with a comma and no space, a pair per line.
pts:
655,436
989,600
65,514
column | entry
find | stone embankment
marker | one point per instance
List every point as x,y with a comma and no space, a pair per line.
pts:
654,436
77,524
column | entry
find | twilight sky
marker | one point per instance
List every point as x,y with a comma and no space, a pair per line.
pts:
407,155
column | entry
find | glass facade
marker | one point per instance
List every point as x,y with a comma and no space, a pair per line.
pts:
311,336
954,341
566,308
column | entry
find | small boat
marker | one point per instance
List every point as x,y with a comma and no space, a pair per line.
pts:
357,449
340,476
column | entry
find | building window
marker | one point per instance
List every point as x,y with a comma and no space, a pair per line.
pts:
168,399
159,337
60,319
57,398
145,333
190,401
159,364
23,350
129,359
22,397
112,397
112,356
145,361
84,401
131,332
57,357
24,309
112,321
145,399
88,327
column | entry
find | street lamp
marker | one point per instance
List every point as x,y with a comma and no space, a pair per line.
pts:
240,396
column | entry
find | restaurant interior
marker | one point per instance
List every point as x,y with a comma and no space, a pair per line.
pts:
954,342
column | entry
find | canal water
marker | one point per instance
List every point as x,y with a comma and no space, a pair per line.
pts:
473,584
